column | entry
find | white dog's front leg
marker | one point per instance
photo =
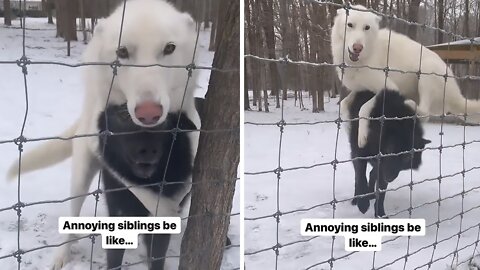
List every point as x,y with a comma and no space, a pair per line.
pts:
363,122
84,168
345,106
166,207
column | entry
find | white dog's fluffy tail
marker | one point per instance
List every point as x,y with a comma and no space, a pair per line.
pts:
47,154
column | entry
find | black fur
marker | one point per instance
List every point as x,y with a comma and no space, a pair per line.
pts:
141,157
397,136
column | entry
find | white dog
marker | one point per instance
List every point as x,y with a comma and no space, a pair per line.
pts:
358,41
154,32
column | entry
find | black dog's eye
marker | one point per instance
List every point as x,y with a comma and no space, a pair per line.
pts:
169,49
350,25
367,27
122,52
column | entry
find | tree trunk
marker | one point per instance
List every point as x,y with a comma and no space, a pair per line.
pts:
285,32
466,28
83,21
253,39
217,157
294,70
206,13
60,16
246,100
441,20
213,31
49,7
70,20
268,28
7,12
413,17
478,20
220,18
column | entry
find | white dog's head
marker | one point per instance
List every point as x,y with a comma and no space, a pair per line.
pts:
357,32
153,32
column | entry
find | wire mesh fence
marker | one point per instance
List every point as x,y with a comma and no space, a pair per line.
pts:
300,189
21,141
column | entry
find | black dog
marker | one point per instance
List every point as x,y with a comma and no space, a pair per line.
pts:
141,157
397,136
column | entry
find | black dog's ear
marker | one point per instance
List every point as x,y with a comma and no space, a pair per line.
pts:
199,106
425,141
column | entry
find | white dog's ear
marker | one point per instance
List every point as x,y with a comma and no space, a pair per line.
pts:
95,45
340,11
378,18
190,21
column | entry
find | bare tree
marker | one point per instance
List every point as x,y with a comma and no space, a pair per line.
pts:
83,21
49,7
285,31
268,28
213,31
7,12
466,27
218,154
441,20
413,17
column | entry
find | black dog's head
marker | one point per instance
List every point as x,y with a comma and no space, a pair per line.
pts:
137,151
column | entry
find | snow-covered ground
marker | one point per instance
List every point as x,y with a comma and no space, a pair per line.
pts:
55,98
305,145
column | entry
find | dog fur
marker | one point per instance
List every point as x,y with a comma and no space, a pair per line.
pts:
382,48
396,136
148,26
142,156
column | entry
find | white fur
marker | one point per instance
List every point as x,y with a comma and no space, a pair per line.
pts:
148,26
403,54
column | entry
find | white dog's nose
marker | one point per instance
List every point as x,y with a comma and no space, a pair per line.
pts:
148,112
357,48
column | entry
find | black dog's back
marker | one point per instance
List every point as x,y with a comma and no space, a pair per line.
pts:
405,133
395,137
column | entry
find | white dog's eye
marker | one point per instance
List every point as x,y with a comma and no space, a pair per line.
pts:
122,52
367,27
350,25
169,49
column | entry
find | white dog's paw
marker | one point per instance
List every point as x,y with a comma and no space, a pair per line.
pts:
362,132
362,140
410,103
62,257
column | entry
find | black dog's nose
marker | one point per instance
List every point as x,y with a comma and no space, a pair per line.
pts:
146,153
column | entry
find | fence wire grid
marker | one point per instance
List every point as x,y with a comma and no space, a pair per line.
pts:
23,62
262,252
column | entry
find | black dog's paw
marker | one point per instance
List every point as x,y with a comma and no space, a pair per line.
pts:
362,203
